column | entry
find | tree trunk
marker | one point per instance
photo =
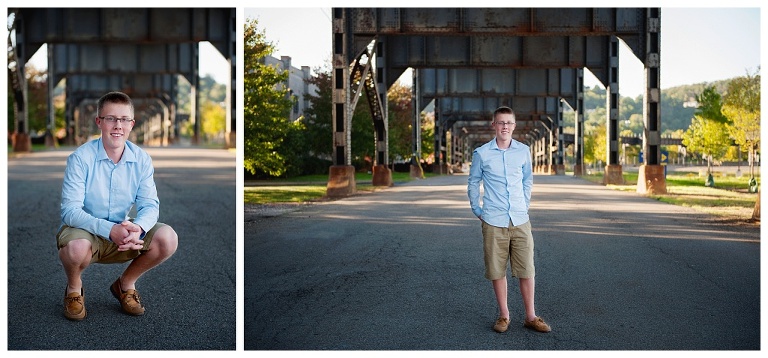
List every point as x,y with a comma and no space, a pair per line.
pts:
709,182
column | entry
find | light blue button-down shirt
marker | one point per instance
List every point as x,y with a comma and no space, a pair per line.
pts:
507,178
97,193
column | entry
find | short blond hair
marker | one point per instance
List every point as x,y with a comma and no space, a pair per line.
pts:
113,97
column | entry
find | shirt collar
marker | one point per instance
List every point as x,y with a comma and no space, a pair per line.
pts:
494,145
128,154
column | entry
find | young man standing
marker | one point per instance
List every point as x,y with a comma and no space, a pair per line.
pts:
504,166
103,180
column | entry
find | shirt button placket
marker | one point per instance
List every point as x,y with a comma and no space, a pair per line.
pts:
113,187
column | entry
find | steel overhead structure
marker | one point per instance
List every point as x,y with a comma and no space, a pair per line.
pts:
470,95
552,45
167,58
528,91
146,72
124,41
490,82
154,102
520,38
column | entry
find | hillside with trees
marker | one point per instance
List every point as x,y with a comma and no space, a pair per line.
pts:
678,105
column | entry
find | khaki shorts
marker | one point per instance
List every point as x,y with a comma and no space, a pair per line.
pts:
103,250
513,245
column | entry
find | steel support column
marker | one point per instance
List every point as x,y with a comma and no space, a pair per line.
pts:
416,170
382,175
539,155
341,179
559,165
50,140
194,108
651,177
439,135
20,141
578,139
231,120
613,170
70,120
551,147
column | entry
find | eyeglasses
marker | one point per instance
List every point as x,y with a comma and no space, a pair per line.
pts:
502,124
112,119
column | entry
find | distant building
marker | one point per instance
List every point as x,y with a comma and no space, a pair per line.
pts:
691,103
297,84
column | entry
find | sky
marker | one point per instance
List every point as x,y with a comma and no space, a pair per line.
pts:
697,44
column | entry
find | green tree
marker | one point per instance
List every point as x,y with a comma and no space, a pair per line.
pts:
317,117
400,113
594,118
209,89
635,124
318,131
594,144
741,105
630,107
594,135
213,117
293,148
710,105
594,97
427,135
37,101
675,114
708,138
212,90
265,107
363,144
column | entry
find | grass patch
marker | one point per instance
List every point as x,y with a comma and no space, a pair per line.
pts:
307,188
283,194
729,197
728,183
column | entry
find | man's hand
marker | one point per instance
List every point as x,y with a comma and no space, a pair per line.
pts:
126,236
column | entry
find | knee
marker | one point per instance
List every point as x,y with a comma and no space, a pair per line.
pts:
78,250
166,240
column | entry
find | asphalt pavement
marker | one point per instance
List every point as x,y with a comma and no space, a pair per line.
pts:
401,269
190,299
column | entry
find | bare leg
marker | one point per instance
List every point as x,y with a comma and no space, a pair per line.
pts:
527,290
75,257
500,289
163,245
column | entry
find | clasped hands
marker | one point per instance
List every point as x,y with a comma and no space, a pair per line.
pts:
127,236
